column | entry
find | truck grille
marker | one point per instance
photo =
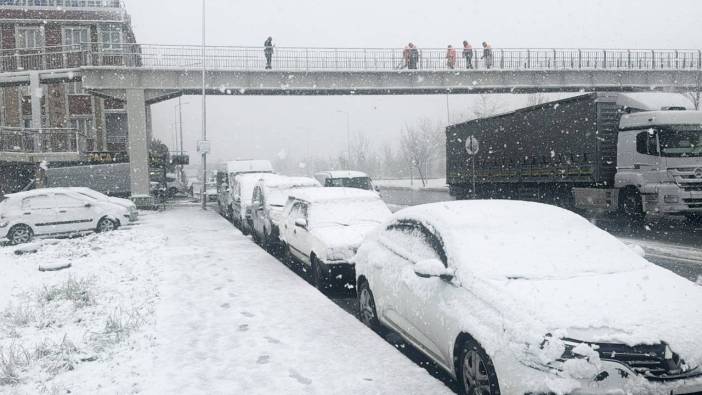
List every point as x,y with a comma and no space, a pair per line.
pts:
687,179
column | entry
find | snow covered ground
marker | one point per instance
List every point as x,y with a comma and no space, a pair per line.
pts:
182,303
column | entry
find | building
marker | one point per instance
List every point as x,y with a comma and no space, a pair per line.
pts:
62,29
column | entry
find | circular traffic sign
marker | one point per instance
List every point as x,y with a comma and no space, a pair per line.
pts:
472,145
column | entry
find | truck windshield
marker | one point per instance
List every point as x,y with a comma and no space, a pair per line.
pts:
681,141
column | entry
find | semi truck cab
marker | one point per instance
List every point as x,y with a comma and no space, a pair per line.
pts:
659,163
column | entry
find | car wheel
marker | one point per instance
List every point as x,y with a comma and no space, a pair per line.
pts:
475,371
20,234
106,225
631,205
366,307
318,276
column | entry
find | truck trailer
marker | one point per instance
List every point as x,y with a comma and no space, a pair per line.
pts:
637,154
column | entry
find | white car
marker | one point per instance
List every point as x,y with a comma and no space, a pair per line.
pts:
126,203
517,297
242,195
269,198
345,178
56,211
323,228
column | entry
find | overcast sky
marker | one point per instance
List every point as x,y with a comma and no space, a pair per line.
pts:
265,126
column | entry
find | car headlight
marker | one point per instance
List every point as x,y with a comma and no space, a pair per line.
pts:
3,224
671,199
341,253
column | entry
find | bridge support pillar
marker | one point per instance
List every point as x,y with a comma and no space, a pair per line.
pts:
138,148
36,93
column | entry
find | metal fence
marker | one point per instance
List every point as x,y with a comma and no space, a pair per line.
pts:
343,59
64,3
42,140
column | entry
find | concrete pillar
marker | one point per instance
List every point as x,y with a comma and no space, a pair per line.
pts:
149,124
36,93
138,148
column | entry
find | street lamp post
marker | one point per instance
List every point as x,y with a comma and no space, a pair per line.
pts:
179,145
348,136
204,108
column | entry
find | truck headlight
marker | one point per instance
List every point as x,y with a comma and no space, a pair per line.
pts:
671,199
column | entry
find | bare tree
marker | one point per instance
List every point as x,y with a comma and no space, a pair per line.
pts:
487,105
420,145
696,94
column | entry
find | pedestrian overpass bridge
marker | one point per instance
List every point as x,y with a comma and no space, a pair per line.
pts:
143,75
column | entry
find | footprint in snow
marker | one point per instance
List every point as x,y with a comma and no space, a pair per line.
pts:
247,314
300,378
272,340
263,359
243,328
225,305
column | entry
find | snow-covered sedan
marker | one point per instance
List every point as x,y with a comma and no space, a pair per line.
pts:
126,203
323,228
56,211
516,297
269,198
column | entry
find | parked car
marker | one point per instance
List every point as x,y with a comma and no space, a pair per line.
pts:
514,297
269,198
126,203
234,169
56,211
242,196
345,178
323,227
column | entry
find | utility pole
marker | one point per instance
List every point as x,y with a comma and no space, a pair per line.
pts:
204,149
348,137
179,123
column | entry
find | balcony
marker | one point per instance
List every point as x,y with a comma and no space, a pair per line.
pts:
37,145
63,3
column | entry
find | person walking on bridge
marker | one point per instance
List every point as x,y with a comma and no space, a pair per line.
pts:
413,58
268,51
487,54
468,54
451,57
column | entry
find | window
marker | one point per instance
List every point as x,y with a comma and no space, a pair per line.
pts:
75,36
65,201
111,38
299,210
29,37
83,125
647,143
416,241
75,88
41,202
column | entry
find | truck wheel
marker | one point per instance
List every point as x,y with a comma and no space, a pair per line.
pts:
631,205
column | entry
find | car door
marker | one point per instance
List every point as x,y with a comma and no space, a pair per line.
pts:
75,214
40,213
419,300
293,232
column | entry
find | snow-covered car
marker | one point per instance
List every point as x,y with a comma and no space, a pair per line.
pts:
242,194
345,178
269,199
323,228
517,297
126,203
55,211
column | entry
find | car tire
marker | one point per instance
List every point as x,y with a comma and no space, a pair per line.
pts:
631,205
318,276
106,225
367,312
20,234
474,369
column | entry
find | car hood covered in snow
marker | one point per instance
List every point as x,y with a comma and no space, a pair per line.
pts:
646,306
343,236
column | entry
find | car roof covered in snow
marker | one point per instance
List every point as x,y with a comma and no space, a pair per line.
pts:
284,182
42,191
515,239
653,118
249,166
318,195
341,174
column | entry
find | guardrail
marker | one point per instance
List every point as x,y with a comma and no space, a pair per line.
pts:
344,59
64,3
17,140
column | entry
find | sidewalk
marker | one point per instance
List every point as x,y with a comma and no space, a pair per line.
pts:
227,318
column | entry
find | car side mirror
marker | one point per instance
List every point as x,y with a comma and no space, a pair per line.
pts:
430,268
301,223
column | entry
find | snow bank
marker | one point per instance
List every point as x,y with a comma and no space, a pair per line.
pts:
183,303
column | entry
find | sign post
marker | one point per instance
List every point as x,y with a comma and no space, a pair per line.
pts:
472,149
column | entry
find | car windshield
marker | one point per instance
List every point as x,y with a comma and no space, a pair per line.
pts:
348,212
277,197
681,141
352,182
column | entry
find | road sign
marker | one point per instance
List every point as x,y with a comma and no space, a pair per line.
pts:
203,147
472,145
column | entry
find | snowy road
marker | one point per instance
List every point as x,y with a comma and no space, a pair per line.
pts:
219,316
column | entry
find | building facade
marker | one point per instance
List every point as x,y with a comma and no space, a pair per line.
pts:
61,28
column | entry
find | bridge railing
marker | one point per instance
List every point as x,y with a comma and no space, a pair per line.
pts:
343,59
18,140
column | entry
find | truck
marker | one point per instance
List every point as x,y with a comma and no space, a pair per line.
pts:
111,179
226,183
633,154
